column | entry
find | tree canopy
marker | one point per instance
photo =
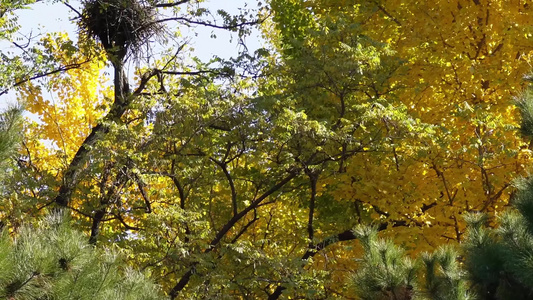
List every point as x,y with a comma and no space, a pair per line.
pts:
256,176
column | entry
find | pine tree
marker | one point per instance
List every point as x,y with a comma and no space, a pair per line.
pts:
496,255
444,279
497,260
500,260
51,260
10,126
386,273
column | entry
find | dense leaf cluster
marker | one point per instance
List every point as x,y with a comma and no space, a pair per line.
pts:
243,178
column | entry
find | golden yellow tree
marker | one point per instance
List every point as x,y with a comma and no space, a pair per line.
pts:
460,65
395,112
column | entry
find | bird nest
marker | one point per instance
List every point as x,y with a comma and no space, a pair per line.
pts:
120,25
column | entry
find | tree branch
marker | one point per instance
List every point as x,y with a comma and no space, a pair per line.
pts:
243,230
346,235
224,168
172,4
121,179
184,280
313,178
142,189
201,23
383,10
72,8
41,75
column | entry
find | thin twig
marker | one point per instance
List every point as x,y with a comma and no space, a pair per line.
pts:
41,75
172,4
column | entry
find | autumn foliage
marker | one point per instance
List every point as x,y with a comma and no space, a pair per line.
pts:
244,178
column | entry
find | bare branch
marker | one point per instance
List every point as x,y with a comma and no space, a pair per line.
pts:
72,8
172,4
243,230
144,80
383,10
123,222
142,189
201,23
224,168
41,75
313,178
199,72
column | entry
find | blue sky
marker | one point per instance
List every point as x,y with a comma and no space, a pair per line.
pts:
47,17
